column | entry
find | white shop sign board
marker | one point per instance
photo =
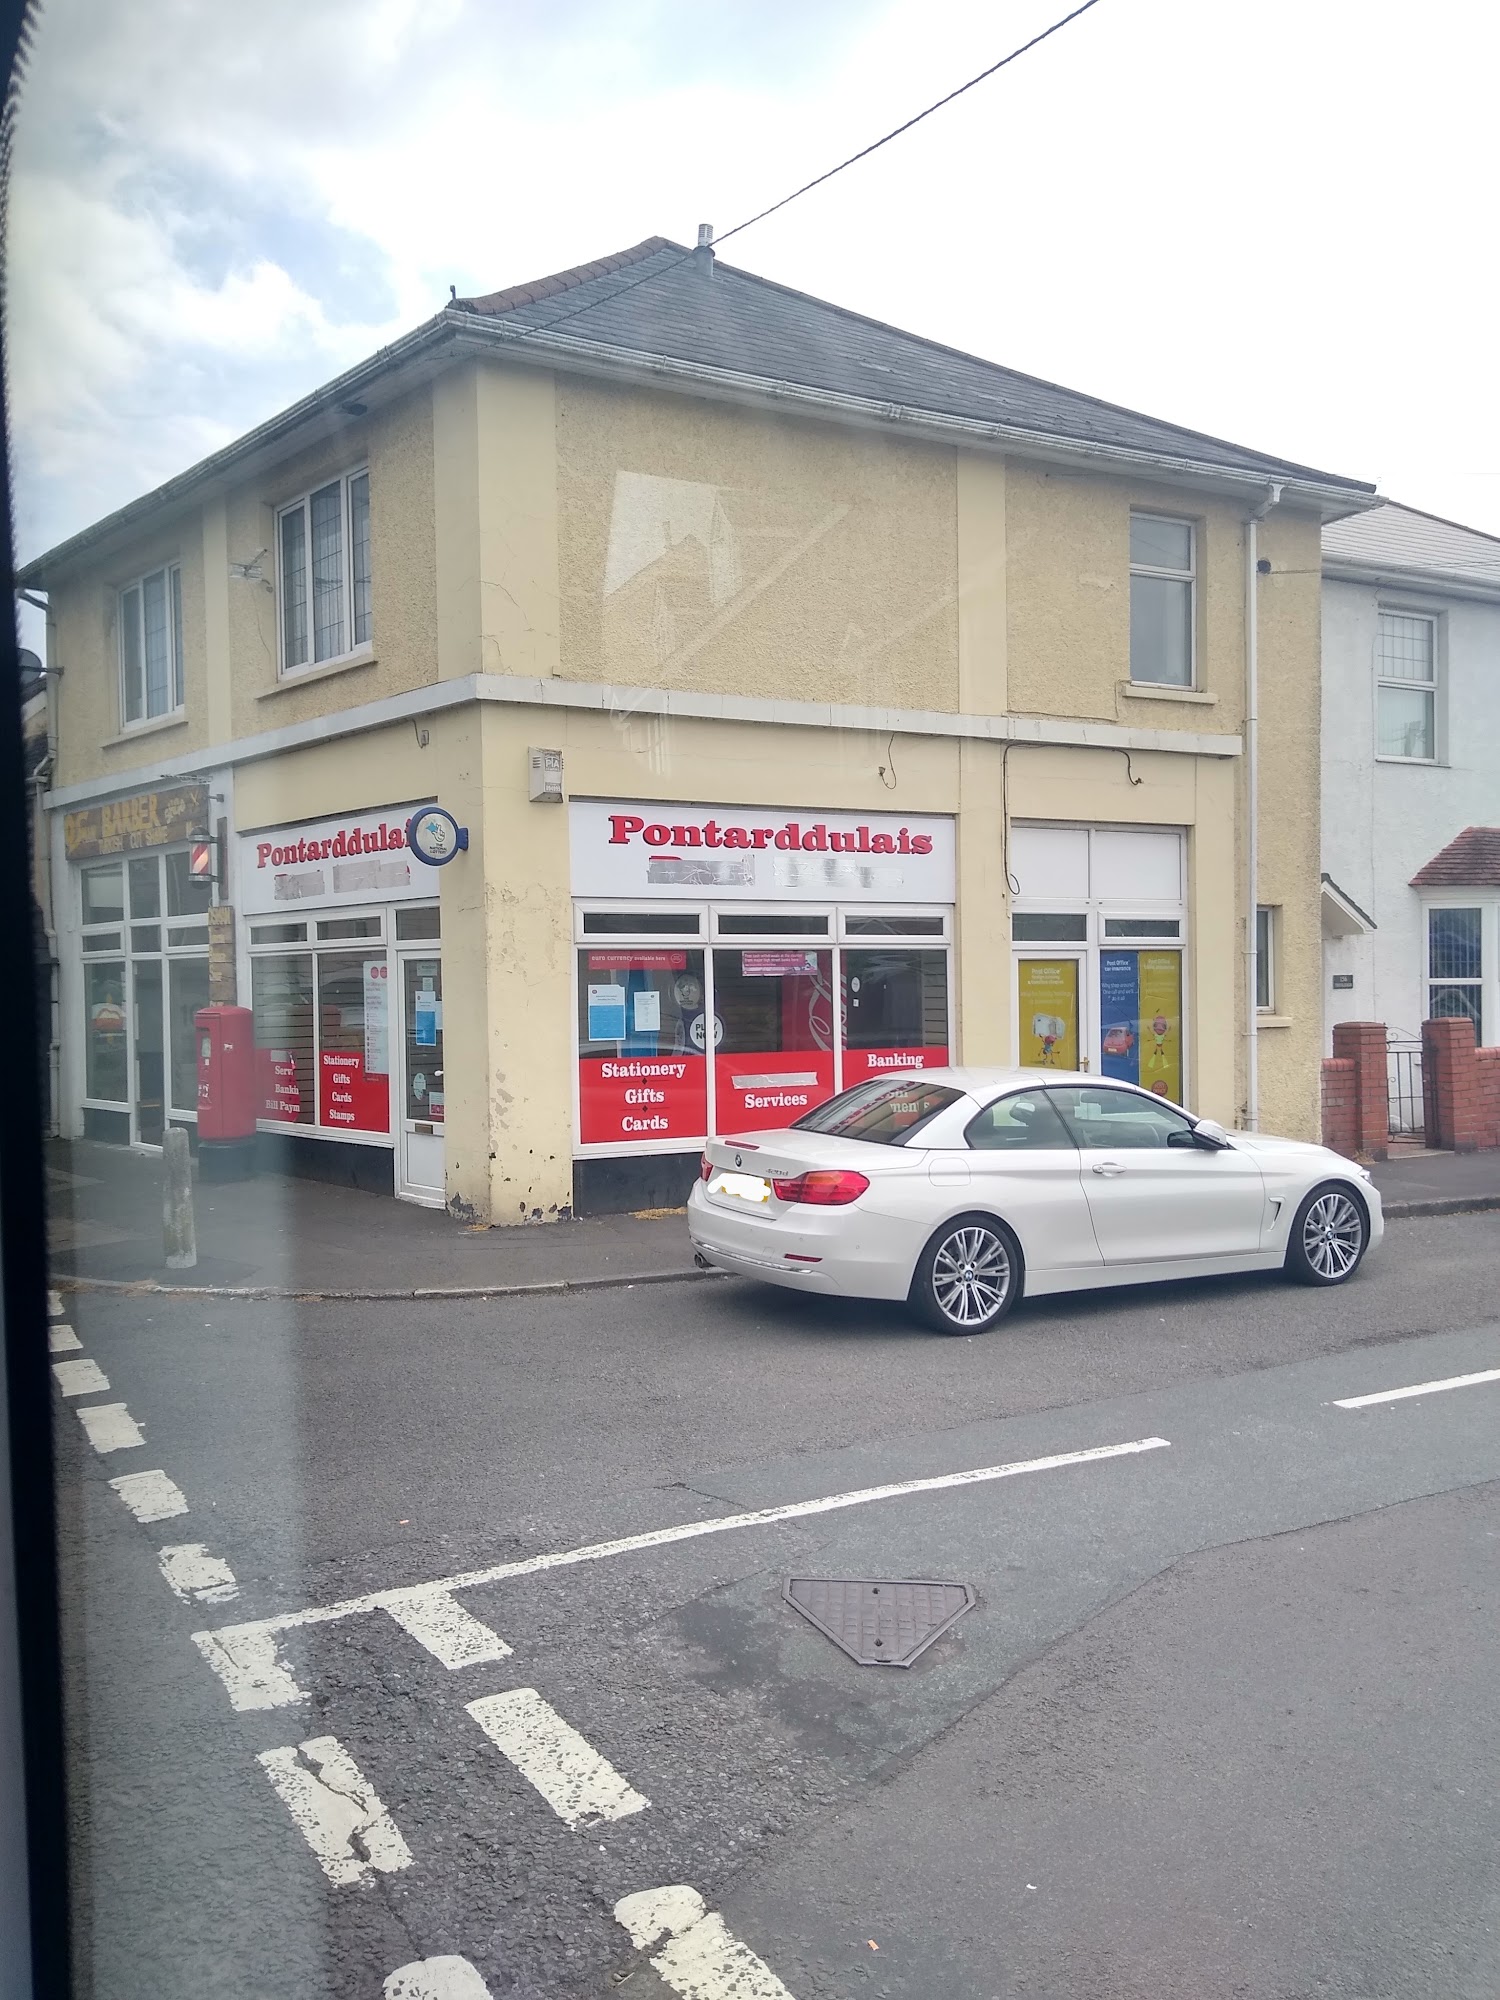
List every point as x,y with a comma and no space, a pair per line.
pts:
634,850
357,858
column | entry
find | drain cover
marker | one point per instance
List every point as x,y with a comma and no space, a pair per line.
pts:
884,1622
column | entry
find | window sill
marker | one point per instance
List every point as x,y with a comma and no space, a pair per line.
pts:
1413,763
1155,691
158,723
301,676
1272,1021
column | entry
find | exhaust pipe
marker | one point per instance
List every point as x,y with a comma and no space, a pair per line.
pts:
701,1261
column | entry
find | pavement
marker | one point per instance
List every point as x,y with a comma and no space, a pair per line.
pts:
273,1235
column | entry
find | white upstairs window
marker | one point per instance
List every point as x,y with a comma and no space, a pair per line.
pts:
1163,557
1406,687
150,624
323,573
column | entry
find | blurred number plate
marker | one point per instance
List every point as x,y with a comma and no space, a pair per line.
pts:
749,1187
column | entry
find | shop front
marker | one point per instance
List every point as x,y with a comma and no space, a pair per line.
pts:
736,966
343,943
140,890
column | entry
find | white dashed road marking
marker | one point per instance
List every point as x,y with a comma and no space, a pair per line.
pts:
55,1304
702,1959
581,1787
150,1496
437,1621
245,1659
110,1427
80,1378
345,1825
233,1643
436,1979
61,1339
196,1576
1418,1389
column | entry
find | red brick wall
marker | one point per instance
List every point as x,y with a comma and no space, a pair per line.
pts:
1461,1085
1487,1096
1340,1107
1362,1043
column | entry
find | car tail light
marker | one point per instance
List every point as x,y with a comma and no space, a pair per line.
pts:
705,1168
822,1189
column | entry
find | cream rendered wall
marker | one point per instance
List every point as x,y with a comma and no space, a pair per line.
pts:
1290,652
712,547
83,641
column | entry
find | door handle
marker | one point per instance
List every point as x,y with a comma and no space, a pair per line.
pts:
1108,1168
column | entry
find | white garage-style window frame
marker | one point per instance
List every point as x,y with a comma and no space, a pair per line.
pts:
323,573
150,628
1406,685
1163,601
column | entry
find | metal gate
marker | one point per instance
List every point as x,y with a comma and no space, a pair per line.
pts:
1403,1064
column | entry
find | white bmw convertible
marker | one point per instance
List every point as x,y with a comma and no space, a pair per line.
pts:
963,1190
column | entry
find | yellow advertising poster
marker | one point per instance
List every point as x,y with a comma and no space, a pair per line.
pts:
1048,990
1161,1023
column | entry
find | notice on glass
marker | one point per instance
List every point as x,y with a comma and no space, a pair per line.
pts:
606,1013
1048,994
647,1009
377,1018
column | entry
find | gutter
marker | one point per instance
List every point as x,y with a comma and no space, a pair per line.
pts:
1252,807
1395,576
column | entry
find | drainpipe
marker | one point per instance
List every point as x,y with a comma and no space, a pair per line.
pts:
1252,808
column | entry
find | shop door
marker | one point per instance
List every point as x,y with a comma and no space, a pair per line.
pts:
1140,1018
1052,1024
422,1101
149,1045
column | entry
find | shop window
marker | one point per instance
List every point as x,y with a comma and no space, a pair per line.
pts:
1061,927
187,991
354,1085
895,926
105,1047
1140,1019
773,1035
641,923
642,1046
350,927
895,1011
1143,927
150,624
188,895
145,886
278,933
739,923
422,922
1455,967
188,934
104,894
323,565
281,999
145,937
102,941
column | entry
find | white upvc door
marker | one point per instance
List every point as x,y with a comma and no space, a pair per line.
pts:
420,1094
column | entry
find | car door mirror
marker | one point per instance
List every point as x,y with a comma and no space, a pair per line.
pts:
1210,1135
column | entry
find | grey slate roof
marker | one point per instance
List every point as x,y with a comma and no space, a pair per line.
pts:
1395,537
658,299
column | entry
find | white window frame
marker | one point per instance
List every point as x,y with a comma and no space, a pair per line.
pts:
1265,956
1488,983
356,648
1189,576
1430,687
379,944
171,575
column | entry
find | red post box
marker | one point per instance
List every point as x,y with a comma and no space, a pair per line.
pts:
226,1092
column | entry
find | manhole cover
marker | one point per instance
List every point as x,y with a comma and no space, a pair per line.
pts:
884,1622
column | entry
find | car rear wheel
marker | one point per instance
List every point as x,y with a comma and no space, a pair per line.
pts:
1329,1236
969,1275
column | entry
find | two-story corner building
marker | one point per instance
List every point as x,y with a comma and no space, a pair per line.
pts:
1411,773
817,700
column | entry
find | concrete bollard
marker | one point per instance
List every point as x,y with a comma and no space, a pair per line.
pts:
177,1201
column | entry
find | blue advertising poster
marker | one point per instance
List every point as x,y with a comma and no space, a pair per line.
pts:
606,1011
1120,1015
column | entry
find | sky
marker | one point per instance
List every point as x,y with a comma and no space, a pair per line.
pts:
1275,224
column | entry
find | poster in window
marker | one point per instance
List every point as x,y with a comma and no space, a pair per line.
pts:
1048,993
349,1099
377,1017
1161,1023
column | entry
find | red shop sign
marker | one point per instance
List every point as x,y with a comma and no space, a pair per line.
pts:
637,961
280,1092
641,1098
770,1090
862,1064
347,1097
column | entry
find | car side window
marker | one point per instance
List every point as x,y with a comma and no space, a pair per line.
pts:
1024,1123
1101,1119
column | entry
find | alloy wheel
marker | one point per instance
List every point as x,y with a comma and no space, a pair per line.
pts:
971,1276
1333,1235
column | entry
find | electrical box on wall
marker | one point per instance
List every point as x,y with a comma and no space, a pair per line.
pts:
546,777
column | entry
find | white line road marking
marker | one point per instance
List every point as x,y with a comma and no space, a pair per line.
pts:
80,1378
55,1304
246,1660
332,1801
702,1959
196,1576
435,1979
61,1339
110,1427
451,1634
1418,1389
581,1787
230,1636
150,1496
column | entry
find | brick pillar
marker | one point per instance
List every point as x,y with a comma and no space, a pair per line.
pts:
1363,1044
1450,1084
1339,1120
1487,1096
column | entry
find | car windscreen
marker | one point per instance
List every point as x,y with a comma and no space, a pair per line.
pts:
883,1112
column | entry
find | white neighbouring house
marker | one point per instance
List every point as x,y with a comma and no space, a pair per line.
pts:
1411,772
